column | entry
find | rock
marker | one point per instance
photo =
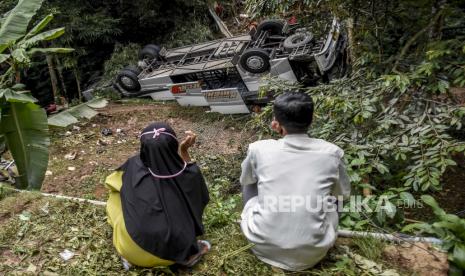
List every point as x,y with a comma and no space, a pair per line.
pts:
101,142
76,128
68,133
71,168
48,173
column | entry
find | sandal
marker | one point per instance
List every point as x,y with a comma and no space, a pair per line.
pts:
204,247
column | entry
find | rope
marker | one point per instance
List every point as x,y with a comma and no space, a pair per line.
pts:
95,202
343,233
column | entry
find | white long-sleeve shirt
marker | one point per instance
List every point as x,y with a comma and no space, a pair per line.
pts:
287,221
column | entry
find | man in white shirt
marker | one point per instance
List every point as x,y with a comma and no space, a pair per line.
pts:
289,189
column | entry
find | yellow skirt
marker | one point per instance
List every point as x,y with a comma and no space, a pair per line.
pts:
123,243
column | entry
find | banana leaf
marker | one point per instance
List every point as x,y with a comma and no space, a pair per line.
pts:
24,125
14,25
73,114
40,26
12,95
4,57
50,50
47,35
20,56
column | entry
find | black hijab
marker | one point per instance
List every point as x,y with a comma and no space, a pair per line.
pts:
163,215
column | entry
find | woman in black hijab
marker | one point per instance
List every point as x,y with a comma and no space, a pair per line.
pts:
156,202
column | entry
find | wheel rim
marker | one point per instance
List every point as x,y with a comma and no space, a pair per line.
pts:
298,39
255,62
127,81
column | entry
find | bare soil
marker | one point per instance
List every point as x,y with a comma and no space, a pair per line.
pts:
97,155
419,258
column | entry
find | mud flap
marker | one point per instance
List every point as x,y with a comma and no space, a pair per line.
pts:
188,94
226,101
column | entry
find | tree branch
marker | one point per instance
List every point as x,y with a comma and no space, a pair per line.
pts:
414,38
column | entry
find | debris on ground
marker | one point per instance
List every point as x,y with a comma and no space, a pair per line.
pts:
101,142
25,215
106,132
66,255
45,208
368,265
71,155
31,268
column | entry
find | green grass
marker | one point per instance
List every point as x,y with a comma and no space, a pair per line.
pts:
55,225
369,247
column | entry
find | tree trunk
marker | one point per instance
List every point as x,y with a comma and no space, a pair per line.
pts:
350,34
60,76
53,76
435,30
78,85
17,76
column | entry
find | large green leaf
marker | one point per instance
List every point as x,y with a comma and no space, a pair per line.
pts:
14,25
417,226
72,115
13,96
429,200
458,255
48,35
407,198
26,131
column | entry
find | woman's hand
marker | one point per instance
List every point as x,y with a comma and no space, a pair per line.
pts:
188,142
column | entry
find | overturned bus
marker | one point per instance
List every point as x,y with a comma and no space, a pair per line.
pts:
226,74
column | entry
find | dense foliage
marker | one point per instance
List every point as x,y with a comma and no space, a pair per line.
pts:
94,28
449,227
398,116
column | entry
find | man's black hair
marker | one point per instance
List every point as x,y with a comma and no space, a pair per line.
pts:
294,111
